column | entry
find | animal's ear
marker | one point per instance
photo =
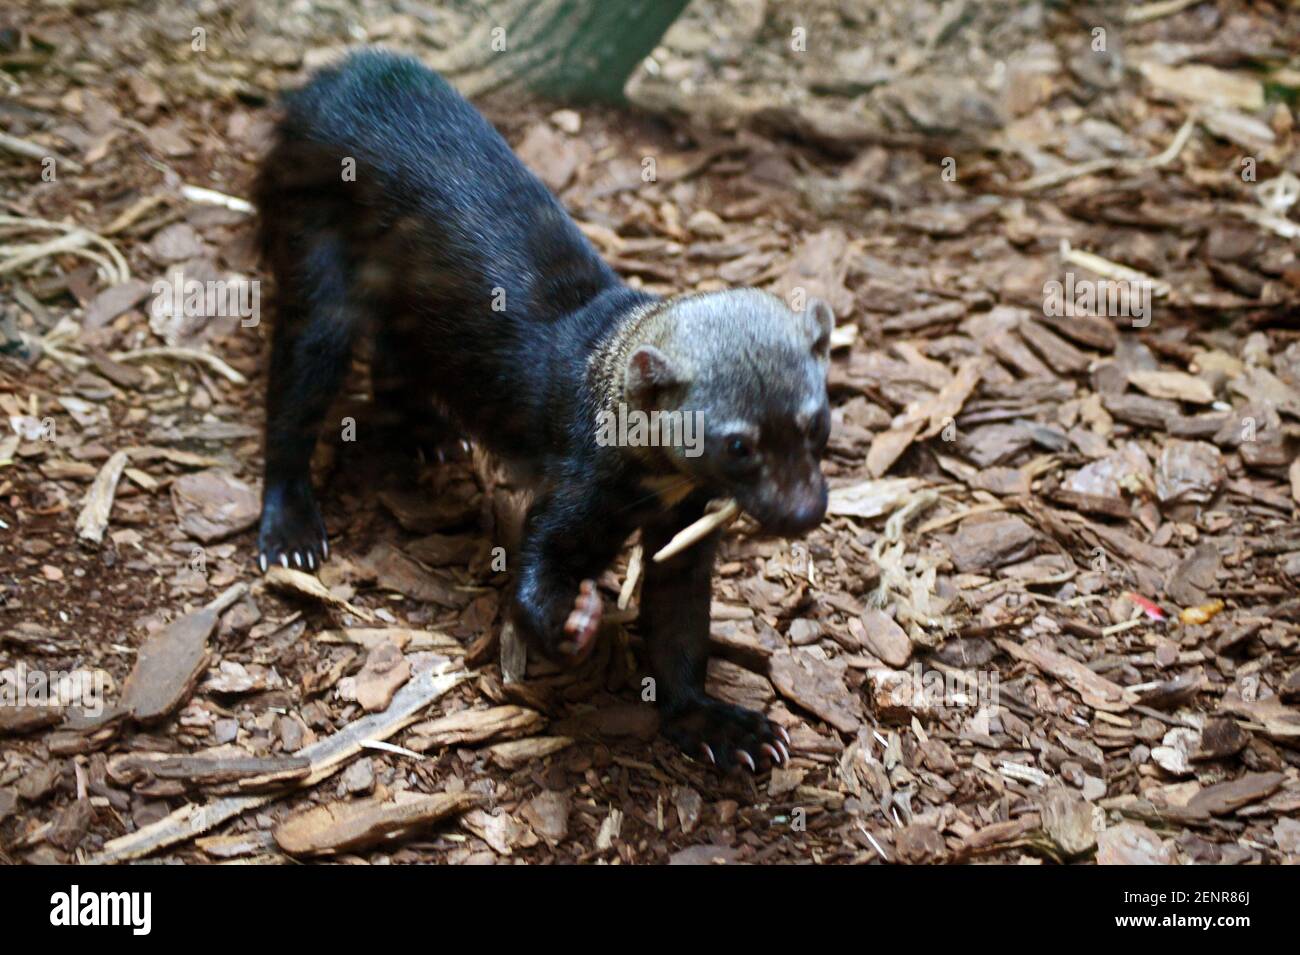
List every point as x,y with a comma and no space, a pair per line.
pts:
649,373
819,322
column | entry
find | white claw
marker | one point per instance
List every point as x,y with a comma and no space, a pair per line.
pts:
785,753
708,751
747,759
297,559
261,562
325,548
284,561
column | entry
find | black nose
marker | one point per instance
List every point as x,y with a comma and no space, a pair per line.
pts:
801,513
808,514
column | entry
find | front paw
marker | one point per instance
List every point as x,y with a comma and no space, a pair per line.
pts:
583,622
727,735
565,631
292,533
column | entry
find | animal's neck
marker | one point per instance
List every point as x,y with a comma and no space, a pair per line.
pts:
608,369
608,365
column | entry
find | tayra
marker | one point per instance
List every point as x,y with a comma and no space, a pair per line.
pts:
390,208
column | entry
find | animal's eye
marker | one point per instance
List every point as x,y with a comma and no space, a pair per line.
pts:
739,448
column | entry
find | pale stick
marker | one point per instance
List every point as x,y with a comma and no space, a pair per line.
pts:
696,532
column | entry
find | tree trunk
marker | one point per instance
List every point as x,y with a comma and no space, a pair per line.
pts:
576,50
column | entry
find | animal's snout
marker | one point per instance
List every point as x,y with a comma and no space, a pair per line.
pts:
798,511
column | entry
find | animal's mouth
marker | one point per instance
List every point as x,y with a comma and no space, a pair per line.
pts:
789,527
790,516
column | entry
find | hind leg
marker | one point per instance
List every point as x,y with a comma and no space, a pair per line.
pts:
314,331
405,410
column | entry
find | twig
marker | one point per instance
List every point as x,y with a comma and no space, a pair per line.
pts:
118,272
68,360
1111,270
32,151
1058,176
326,756
634,567
133,214
73,242
696,532
1260,217
186,354
956,516
1154,11
1123,626
874,844
211,197
921,501
227,598
391,748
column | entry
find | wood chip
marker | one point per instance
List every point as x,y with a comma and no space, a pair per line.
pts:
327,757
1067,820
885,638
1223,798
384,673
393,570
476,726
214,504
1132,844
735,684
98,503
872,498
342,827
305,585
818,687
1276,720
987,545
1096,690
927,418
404,638
15,720
515,753
1174,385
548,814
172,660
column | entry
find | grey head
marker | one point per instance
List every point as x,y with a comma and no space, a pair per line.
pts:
752,372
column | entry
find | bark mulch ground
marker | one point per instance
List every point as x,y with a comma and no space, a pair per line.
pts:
1052,614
